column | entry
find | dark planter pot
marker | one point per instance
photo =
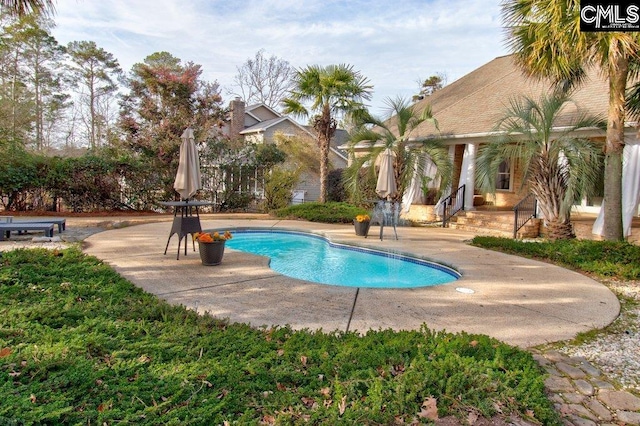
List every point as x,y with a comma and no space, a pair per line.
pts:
211,253
362,228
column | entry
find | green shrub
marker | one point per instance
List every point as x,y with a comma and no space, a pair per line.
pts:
81,345
87,183
604,258
321,212
336,191
278,186
20,176
233,200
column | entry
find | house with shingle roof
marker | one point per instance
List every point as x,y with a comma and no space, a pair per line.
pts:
258,124
468,109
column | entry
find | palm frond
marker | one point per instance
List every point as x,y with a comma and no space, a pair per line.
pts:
364,134
633,93
23,8
294,107
439,155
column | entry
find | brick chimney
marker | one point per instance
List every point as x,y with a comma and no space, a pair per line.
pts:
236,118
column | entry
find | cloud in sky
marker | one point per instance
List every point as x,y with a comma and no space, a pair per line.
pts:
392,43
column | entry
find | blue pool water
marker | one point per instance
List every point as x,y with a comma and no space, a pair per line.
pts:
313,258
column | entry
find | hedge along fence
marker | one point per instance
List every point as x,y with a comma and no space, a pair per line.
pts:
88,183
101,182
111,178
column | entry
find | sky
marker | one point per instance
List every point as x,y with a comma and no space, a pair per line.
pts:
393,43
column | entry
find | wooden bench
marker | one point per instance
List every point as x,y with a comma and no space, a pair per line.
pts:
6,228
60,221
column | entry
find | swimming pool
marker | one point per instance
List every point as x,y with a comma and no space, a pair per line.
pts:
313,258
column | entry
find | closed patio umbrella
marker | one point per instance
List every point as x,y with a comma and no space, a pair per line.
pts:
188,180
386,186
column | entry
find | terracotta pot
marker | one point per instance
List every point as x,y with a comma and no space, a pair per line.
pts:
362,228
211,253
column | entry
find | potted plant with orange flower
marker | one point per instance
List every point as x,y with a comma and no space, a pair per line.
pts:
211,246
362,222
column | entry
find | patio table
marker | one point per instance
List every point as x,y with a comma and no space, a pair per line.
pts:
186,220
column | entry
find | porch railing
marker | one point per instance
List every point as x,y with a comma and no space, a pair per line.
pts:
523,212
452,204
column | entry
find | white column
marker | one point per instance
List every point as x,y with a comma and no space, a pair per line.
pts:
468,174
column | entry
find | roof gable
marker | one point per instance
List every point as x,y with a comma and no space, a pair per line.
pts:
261,112
268,124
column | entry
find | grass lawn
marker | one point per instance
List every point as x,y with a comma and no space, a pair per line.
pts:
81,345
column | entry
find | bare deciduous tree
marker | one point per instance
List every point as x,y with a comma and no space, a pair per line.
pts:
264,80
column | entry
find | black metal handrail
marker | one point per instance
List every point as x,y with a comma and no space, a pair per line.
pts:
452,204
524,211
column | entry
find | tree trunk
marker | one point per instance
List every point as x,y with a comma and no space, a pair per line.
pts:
324,169
92,112
558,230
618,71
326,127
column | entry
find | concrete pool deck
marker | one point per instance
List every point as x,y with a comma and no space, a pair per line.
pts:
519,301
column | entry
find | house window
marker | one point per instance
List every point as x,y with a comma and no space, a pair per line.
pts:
503,182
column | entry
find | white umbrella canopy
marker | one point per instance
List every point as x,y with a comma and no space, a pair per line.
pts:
188,180
386,186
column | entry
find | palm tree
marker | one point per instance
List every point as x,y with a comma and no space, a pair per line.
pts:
27,7
558,166
333,91
396,134
546,39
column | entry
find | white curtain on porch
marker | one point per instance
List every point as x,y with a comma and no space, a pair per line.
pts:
468,175
630,189
413,194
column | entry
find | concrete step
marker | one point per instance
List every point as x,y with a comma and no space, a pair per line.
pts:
493,224
503,225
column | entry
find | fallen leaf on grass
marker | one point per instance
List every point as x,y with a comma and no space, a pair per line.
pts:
4,352
397,369
342,407
309,402
268,420
429,409
32,398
